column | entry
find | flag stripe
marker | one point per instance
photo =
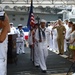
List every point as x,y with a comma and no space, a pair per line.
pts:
31,20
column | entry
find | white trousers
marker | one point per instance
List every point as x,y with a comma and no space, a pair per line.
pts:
48,40
20,46
3,68
55,44
73,74
65,45
51,42
43,53
3,58
36,54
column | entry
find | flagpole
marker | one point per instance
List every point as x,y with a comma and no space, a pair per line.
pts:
31,11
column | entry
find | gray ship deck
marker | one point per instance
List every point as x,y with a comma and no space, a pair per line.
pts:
55,64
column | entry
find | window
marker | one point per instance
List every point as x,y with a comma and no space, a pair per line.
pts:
13,15
13,19
21,18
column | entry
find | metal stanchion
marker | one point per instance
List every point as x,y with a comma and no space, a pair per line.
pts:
70,68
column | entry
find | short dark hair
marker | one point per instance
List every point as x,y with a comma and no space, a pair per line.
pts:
74,26
71,22
66,20
36,23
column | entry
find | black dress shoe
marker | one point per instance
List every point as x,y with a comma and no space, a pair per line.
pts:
37,66
60,54
43,71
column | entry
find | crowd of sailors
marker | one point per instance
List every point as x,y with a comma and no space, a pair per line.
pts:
58,37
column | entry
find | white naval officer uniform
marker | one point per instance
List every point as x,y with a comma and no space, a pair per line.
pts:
48,35
20,41
36,52
51,40
65,42
30,41
4,29
55,44
67,36
12,29
3,57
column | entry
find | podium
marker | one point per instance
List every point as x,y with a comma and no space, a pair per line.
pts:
11,54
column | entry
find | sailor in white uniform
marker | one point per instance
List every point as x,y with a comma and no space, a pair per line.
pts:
4,29
3,56
41,37
67,37
12,29
48,35
36,52
55,44
51,40
67,28
20,40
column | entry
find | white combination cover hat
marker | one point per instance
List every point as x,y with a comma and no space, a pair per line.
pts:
19,25
11,23
42,20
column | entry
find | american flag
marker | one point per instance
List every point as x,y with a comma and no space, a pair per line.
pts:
31,20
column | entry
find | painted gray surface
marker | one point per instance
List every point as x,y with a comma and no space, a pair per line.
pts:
18,16
55,64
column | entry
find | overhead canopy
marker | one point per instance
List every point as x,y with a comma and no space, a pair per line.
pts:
23,4
41,2
44,3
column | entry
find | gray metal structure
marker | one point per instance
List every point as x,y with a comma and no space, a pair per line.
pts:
18,10
43,2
